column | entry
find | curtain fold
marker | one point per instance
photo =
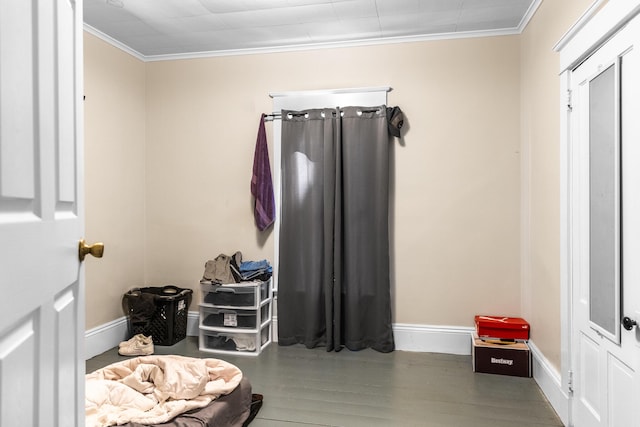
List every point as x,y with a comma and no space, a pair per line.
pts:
334,286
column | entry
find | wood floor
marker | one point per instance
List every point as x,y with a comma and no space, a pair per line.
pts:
309,388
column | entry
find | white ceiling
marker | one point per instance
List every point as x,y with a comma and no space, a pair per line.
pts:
169,28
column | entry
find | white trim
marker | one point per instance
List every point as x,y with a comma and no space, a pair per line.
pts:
193,324
419,338
109,335
529,15
113,42
306,93
566,288
578,25
274,329
333,45
104,337
592,31
433,339
549,381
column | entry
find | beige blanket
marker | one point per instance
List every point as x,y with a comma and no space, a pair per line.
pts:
155,389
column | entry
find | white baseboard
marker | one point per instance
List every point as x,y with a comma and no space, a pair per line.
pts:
421,338
274,329
107,336
433,339
549,381
100,339
193,322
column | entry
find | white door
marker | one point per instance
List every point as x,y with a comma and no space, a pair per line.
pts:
41,220
605,213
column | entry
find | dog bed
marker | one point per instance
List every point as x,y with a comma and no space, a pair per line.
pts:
170,391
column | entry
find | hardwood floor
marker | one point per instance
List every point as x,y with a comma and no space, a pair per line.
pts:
309,388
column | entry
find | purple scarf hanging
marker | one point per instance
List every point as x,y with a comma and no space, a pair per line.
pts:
261,184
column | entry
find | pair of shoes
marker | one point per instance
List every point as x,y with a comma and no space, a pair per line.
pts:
131,340
139,345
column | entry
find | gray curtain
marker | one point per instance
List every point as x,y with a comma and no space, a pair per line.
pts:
333,282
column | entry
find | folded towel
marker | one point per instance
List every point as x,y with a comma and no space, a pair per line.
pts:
261,184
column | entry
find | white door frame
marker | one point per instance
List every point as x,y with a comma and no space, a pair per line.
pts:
581,41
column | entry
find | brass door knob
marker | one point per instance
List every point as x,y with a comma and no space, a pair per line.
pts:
97,249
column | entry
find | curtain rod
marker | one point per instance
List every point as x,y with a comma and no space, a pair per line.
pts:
278,116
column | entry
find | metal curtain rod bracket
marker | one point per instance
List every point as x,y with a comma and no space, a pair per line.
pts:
271,117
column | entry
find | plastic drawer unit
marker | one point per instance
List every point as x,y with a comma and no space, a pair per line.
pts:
235,318
235,342
246,294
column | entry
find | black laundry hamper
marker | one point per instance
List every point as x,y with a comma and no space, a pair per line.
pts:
158,311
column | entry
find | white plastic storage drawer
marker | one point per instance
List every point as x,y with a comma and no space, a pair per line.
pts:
232,342
235,295
233,318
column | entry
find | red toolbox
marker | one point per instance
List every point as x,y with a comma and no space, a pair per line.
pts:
506,328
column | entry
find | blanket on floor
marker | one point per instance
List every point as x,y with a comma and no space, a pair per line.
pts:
155,389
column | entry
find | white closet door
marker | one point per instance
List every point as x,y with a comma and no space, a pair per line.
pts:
605,187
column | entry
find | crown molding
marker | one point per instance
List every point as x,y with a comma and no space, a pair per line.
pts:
332,45
115,43
528,15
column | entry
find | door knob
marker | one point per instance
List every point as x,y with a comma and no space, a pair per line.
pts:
97,249
628,323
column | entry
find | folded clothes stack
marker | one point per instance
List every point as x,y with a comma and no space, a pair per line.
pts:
255,270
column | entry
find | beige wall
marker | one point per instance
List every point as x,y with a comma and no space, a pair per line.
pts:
456,172
115,113
170,147
540,134
456,213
